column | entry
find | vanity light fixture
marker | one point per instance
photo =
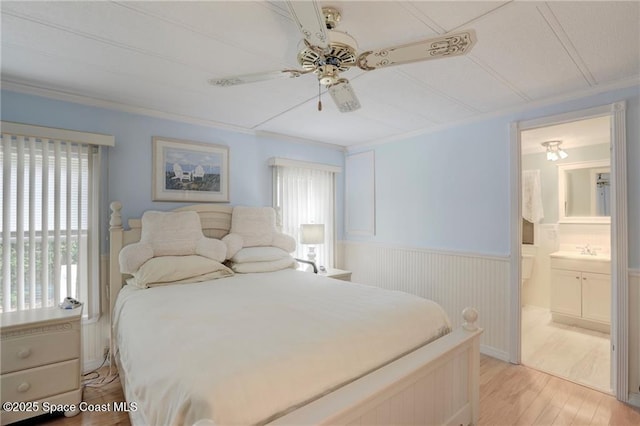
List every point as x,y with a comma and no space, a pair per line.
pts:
554,152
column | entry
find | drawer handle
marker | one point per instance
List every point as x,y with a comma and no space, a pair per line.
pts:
24,353
23,387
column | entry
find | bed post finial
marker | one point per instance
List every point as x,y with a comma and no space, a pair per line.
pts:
116,218
470,316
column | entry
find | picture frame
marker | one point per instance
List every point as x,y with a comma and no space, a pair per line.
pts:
189,171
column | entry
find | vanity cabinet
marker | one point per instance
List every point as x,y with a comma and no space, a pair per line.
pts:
581,292
596,297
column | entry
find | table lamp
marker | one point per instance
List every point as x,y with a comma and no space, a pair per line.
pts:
311,234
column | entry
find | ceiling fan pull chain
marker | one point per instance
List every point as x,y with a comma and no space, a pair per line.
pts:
319,96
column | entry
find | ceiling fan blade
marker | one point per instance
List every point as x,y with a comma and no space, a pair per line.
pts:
310,20
344,96
253,78
433,48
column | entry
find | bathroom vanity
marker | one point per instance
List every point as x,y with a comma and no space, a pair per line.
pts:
581,290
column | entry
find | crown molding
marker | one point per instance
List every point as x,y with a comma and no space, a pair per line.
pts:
56,94
31,89
592,91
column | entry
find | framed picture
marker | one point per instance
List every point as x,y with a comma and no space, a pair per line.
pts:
190,171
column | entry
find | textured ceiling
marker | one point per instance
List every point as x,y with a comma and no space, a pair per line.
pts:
156,58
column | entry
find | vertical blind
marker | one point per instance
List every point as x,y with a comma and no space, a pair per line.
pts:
49,224
306,195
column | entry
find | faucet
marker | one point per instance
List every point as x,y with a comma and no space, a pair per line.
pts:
588,250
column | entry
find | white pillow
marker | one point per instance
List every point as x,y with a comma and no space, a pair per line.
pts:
271,266
177,270
256,225
171,233
259,254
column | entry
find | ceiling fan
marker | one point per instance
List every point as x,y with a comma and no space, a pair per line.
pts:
329,52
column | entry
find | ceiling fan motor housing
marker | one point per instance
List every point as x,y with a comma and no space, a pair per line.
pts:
339,56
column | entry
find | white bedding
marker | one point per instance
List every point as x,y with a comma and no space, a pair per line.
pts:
246,349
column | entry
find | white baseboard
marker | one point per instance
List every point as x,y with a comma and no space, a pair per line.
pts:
494,353
93,364
634,399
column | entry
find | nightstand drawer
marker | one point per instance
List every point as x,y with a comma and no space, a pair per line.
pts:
40,382
39,349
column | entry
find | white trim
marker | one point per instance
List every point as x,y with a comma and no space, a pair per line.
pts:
619,236
634,399
515,226
298,140
494,353
619,252
502,258
623,84
131,109
27,88
285,162
634,272
41,132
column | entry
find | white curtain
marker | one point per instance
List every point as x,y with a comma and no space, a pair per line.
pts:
306,195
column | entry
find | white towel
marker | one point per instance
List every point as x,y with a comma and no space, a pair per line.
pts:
532,209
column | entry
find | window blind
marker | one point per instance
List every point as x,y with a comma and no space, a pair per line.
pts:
50,224
306,195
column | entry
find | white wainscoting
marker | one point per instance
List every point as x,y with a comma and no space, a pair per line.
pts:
454,280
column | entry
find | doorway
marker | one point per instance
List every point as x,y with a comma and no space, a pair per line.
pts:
566,251
618,290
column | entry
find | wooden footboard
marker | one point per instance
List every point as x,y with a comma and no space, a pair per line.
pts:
434,385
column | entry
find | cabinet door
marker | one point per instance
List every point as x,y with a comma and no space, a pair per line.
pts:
596,297
566,292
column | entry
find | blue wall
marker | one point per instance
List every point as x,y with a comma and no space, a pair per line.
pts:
129,162
445,190
449,189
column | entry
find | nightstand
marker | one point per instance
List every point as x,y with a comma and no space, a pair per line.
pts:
41,362
337,274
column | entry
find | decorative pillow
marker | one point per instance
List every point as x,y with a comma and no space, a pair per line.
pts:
177,269
256,226
274,265
259,254
170,234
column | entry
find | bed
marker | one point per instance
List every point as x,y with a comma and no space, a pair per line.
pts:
285,348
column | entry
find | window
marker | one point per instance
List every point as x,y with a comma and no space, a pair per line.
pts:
49,227
305,193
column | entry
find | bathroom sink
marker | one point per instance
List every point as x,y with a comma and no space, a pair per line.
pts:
575,255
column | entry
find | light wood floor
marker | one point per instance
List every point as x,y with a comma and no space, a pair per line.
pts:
574,353
509,395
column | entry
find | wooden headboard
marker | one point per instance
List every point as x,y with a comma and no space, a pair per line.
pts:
215,220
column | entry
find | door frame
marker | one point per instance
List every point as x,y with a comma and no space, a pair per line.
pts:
619,237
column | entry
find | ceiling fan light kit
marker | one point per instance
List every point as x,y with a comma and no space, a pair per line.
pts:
328,52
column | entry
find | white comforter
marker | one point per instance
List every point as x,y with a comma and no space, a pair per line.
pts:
246,349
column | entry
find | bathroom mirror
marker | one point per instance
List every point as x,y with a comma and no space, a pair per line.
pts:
584,192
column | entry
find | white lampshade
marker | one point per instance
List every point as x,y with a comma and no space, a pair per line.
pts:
311,233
